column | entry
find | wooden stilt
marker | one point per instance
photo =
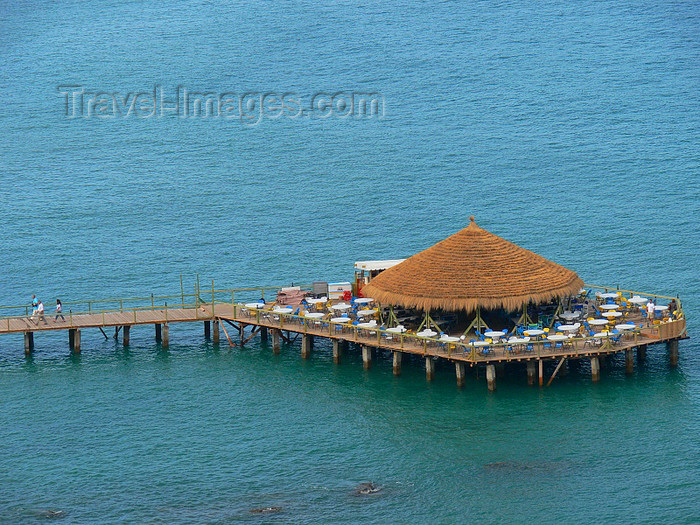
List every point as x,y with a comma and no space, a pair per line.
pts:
429,368
491,377
76,341
276,334
126,335
336,351
71,338
166,335
595,369
397,358
216,337
159,333
531,372
672,347
263,334
460,372
207,329
28,342
541,366
307,343
629,361
366,357
641,353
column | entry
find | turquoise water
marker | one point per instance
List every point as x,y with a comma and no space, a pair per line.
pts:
570,130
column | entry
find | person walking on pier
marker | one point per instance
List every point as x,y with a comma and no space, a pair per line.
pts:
59,310
35,304
651,309
40,311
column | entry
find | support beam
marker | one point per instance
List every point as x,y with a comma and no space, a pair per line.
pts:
71,338
429,368
595,369
629,361
366,357
159,333
76,341
28,342
531,372
307,343
276,341
541,364
641,353
207,329
263,334
491,377
460,372
215,335
397,358
126,335
672,347
337,350
166,335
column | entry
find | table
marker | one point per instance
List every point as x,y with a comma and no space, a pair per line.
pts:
283,310
610,315
314,315
449,339
341,320
366,311
608,295
316,300
661,308
367,325
558,337
567,327
626,326
364,300
255,306
426,333
570,316
396,330
637,299
494,333
479,343
598,322
534,331
518,340
602,334
609,306
341,306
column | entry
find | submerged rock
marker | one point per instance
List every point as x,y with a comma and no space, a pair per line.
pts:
266,510
366,489
51,514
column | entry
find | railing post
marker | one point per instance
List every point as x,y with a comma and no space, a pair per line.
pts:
212,300
182,291
103,318
134,315
153,304
166,312
70,313
89,307
121,305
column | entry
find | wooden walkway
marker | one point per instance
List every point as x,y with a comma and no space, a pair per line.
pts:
262,322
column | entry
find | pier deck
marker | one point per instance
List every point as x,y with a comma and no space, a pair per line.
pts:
265,320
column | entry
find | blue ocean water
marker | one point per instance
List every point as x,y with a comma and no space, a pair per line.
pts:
571,130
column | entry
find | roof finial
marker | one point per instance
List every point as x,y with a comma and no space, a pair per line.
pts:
471,218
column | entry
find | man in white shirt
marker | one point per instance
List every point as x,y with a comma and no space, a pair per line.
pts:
651,309
40,311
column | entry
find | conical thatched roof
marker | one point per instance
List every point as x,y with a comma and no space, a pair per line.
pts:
473,268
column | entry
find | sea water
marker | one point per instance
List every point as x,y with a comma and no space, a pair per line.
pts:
571,130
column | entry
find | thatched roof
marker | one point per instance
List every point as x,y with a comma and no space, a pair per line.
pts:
473,268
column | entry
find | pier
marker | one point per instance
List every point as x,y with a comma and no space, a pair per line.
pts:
234,323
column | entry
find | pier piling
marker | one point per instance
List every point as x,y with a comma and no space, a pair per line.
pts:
126,335
307,343
71,338
263,334
672,347
429,368
531,372
595,369
337,350
215,335
276,341
541,365
28,342
460,372
366,357
397,358
76,341
159,333
641,353
491,377
629,361
166,335
207,330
